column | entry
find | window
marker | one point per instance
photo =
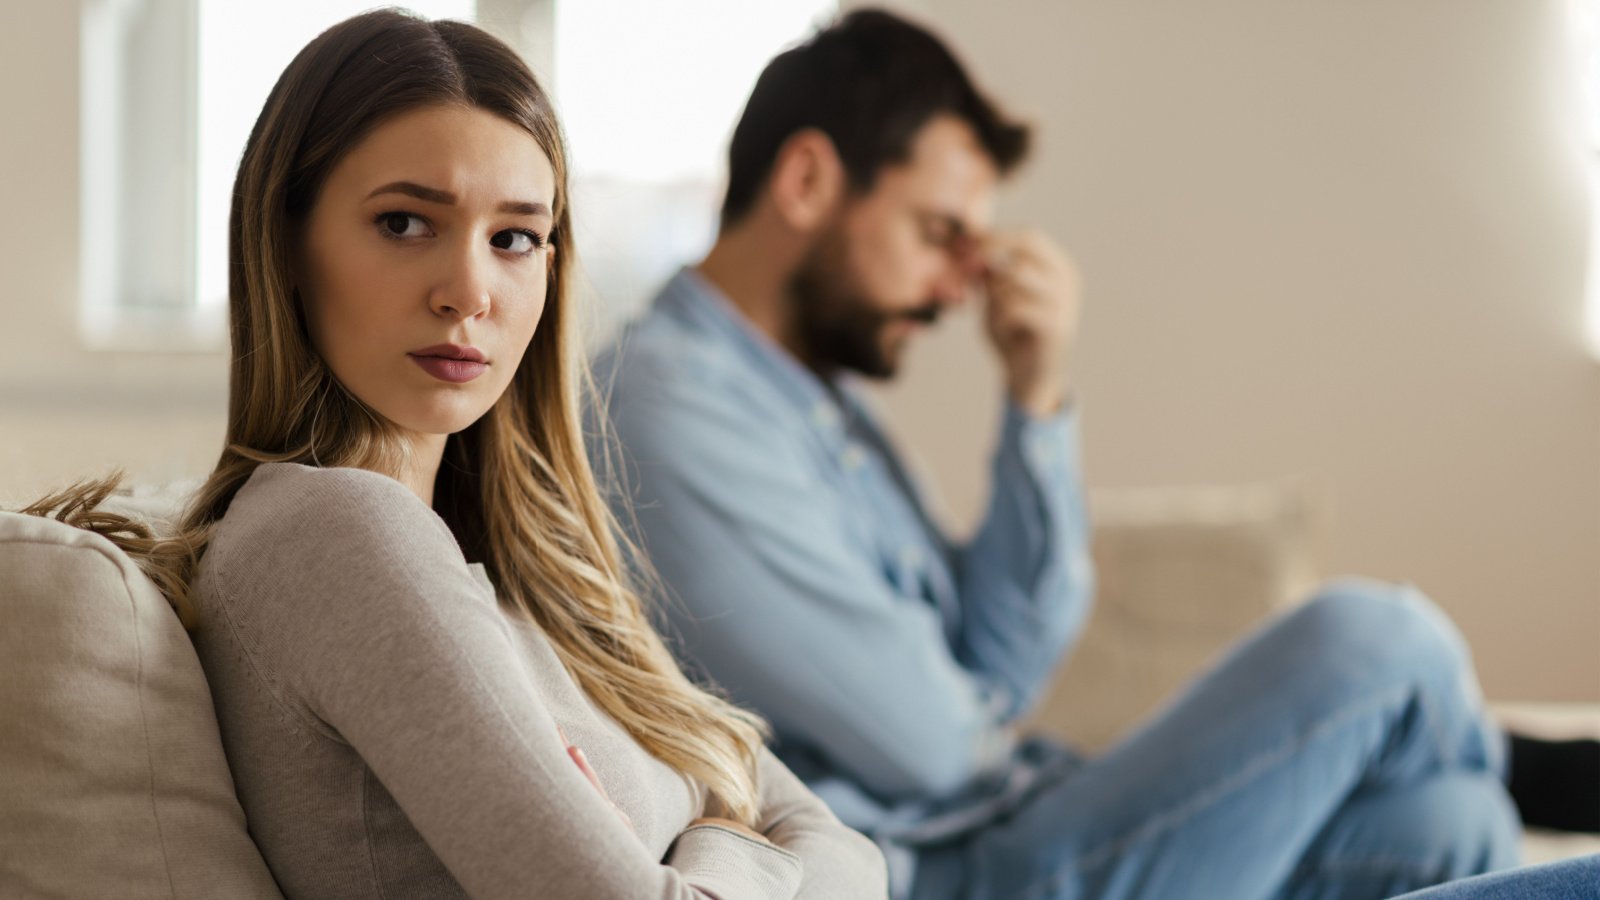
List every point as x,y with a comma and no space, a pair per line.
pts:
1586,21
648,93
170,90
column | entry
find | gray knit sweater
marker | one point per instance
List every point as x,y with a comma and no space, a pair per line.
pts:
393,731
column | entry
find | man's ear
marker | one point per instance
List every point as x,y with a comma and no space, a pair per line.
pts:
808,180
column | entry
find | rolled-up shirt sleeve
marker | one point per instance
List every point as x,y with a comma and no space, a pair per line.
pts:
1026,579
783,608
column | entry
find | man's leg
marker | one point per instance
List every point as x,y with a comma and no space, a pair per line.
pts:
1365,689
1569,879
1387,841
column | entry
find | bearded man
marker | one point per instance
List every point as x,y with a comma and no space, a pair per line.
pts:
1339,752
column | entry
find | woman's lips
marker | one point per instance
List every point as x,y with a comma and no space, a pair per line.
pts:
455,371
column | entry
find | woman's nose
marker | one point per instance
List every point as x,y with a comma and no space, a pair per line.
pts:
463,292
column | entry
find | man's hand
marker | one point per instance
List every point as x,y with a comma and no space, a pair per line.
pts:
1031,312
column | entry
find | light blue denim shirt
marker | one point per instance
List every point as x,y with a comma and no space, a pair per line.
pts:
808,580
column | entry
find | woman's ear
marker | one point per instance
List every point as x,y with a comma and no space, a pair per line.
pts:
808,180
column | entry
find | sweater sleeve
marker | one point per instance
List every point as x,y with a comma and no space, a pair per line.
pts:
362,619
838,862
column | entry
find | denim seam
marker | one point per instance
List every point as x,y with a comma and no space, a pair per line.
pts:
1166,821
1447,754
1372,865
1442,749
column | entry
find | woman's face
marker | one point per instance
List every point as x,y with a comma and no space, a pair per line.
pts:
424,262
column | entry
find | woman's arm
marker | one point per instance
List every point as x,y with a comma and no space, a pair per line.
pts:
837,861
358,612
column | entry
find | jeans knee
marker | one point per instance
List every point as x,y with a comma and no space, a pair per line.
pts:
1486,835
1378,623
1454,825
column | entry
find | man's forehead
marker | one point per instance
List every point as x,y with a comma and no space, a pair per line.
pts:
948,174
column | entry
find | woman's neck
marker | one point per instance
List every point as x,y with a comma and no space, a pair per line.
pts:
421,468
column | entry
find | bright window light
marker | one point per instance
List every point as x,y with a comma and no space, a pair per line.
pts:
1586,32
1591,311
243,49
168,93
650,91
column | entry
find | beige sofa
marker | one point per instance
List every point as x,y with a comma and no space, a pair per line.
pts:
113,769
1182,573
112,777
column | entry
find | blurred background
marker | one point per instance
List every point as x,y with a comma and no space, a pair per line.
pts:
1340,244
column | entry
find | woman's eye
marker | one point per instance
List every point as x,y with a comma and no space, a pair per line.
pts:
402,225
515,240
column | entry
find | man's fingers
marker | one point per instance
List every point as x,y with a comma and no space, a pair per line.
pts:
1024,286
1026,280
1014,326
1002,255
1006,251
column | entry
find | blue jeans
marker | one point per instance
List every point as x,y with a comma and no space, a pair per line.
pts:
1339,752
1570,879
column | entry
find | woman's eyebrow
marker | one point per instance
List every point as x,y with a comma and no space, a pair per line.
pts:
525,208
434,195
412,189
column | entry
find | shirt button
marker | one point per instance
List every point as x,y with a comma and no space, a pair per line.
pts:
824,415
853,457
1041,453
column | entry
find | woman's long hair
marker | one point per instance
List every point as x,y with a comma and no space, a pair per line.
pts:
515,486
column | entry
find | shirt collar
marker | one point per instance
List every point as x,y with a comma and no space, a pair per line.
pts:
691,295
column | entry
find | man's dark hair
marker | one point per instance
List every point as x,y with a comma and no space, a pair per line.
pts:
869,82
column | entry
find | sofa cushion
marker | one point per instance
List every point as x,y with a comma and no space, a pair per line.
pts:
111,766
1183,572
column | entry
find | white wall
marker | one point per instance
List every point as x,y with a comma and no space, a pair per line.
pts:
1330,240
65,411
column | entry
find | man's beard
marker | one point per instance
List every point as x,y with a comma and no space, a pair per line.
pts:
838,326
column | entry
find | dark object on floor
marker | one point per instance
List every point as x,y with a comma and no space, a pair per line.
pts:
1556,784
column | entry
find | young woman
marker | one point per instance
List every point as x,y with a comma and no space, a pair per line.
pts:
430,676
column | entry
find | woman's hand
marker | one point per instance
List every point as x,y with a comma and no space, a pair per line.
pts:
731,825
588,772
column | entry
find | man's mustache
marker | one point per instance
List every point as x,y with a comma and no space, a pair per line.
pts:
927,315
